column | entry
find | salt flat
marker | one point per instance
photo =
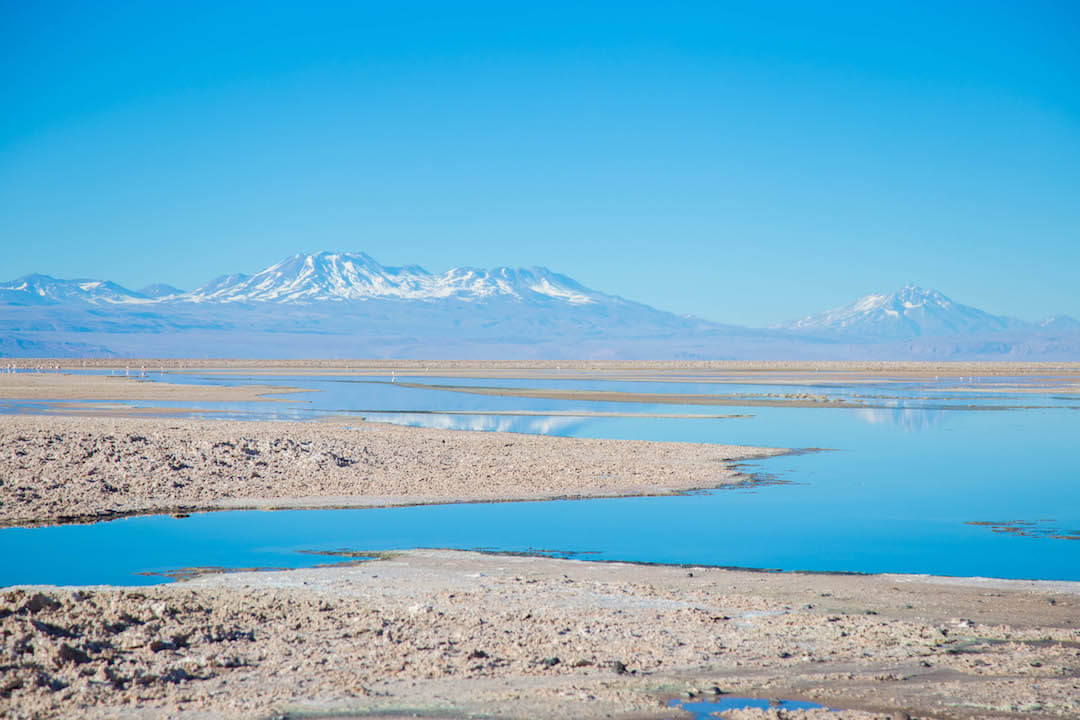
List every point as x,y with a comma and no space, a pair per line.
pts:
458,633
463,634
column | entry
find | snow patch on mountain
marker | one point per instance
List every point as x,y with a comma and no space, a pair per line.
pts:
38,289
909,312
347,304
325,277
331,276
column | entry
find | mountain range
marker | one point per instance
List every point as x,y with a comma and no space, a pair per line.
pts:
321,277
908,313
336,304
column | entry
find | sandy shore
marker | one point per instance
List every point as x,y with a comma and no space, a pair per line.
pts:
61,468
63,387
460,633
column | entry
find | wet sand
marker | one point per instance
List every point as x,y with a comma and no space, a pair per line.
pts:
62,387
463,634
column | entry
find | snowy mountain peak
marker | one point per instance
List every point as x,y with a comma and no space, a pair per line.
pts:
309,278
349,305
912,296
342,276
324,276
911,311
38,289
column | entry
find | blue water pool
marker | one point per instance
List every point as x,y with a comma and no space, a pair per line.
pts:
915,487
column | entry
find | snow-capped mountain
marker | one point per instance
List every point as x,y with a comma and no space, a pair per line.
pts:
331,276
339,304
907,313
322,277
37,289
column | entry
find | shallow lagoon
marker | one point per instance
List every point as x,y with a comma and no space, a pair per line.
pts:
895,490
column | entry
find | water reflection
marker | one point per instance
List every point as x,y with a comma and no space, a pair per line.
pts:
706,709
536,425
907,418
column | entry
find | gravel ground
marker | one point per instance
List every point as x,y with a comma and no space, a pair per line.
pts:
459,633
61,468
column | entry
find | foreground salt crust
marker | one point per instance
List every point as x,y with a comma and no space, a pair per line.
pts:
518,637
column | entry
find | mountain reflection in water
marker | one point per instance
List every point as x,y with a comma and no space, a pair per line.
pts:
538,425
910,419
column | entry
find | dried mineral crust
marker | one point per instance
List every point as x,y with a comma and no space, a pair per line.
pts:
455,633
62,468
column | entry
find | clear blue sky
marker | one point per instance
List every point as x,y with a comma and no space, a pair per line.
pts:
745,162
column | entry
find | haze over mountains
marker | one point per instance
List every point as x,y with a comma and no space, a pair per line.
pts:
331,304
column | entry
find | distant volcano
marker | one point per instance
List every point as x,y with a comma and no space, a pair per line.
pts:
907,313
339,304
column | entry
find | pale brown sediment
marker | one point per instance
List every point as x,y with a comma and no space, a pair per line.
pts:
463,635
65,387
62,468
75,408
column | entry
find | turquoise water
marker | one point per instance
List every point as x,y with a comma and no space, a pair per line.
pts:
705,709
892,489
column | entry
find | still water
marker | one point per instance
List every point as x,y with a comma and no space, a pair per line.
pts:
921,479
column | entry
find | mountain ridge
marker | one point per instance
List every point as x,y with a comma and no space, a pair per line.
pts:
322,276
909,312
347,304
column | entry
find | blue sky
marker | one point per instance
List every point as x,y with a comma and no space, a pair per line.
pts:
744,162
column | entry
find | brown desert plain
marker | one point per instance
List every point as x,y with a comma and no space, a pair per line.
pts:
451,634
